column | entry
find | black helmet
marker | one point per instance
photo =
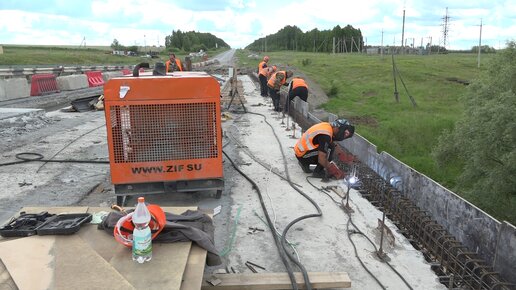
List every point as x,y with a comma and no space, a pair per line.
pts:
343,125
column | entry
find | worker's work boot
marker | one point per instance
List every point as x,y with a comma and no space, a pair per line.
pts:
319,173
306,168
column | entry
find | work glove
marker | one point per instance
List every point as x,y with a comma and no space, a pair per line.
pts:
346,158
333,170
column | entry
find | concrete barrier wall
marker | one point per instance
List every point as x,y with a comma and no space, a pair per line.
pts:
14,88
60,70
470,225
495,242
73,82
113,74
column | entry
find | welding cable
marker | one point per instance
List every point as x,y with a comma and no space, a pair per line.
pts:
358,257
358,231
321,189
275,217
281,250
77,138
40,158
292,245
250,154
287,228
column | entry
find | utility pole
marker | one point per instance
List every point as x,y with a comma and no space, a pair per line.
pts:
381,48
479,43
265,43
333,45
403,31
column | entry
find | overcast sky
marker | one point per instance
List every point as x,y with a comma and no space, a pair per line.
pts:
240,22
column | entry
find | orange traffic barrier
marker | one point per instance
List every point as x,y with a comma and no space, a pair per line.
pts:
95,78
126,71
43,84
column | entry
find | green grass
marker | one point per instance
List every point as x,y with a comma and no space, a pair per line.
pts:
365,94
18,55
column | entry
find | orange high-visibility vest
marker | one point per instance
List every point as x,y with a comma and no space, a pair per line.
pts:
262,70
297,82
305,143
178,64
272,80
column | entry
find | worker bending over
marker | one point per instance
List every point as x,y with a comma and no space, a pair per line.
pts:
277,80
263,70
173,64
317,146
296,88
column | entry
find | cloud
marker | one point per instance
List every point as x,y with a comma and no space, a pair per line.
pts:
240,22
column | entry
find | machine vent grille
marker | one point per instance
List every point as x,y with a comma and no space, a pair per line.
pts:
160,132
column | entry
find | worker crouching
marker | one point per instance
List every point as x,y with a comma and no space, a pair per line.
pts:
317,146
277,80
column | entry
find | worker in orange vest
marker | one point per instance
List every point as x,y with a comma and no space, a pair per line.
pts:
296,88
277,80
173,64
270,70
262,75
317,146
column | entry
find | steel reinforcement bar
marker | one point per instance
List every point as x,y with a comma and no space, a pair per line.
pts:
455,264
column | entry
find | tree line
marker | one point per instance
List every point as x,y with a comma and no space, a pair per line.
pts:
315,40
483,140
192,41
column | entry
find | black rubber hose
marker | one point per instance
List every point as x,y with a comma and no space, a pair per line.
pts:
270,223
285,231
40,158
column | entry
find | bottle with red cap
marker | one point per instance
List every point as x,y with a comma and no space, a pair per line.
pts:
142,240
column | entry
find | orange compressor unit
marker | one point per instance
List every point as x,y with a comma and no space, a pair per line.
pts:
164,134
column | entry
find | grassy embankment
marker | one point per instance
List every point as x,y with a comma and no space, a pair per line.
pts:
18,55
361,88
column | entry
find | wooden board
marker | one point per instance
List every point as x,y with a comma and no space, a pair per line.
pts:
192,277
271,281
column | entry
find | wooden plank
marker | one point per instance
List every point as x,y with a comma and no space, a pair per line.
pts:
77,266
271,281
192,277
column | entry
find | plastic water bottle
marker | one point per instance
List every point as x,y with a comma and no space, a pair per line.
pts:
142,239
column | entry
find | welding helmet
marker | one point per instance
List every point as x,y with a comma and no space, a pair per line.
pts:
123,230
266,58
343,125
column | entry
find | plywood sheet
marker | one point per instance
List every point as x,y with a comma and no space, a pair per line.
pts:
6,281
30,261
77,266
167,266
